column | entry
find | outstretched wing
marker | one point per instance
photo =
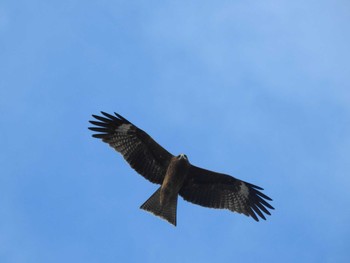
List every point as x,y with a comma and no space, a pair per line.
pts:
143,154
215,190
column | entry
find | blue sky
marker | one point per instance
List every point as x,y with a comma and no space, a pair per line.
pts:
258,90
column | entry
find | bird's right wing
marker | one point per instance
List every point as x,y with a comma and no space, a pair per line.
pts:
143,154
216,190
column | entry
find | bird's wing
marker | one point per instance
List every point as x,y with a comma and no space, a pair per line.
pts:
215,190
143,154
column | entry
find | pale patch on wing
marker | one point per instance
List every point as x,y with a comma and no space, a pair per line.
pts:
123,128
244,190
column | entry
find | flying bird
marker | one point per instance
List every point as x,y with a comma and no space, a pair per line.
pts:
176,175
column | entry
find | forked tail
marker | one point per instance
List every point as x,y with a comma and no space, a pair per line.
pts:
167,211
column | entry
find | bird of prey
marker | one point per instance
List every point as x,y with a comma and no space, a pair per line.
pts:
176,175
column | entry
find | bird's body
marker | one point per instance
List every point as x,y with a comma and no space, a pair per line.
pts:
174,178
176,175
164,202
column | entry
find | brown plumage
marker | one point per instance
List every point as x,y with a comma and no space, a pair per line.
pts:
176,175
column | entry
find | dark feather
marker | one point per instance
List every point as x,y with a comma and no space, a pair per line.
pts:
101,124
215,190
143,154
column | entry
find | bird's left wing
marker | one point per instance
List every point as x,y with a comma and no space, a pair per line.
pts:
143,154
216,190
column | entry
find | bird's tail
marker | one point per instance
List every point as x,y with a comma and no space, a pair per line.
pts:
167,211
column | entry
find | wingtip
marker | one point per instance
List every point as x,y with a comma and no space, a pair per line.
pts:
107,115
256,219
99,135
121,117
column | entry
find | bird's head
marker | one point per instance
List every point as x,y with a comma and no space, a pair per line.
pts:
182,156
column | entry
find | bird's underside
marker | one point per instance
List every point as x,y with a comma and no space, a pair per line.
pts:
176,175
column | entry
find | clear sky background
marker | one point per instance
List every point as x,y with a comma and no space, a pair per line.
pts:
256,89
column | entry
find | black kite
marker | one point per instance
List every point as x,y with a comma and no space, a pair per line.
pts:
176,175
